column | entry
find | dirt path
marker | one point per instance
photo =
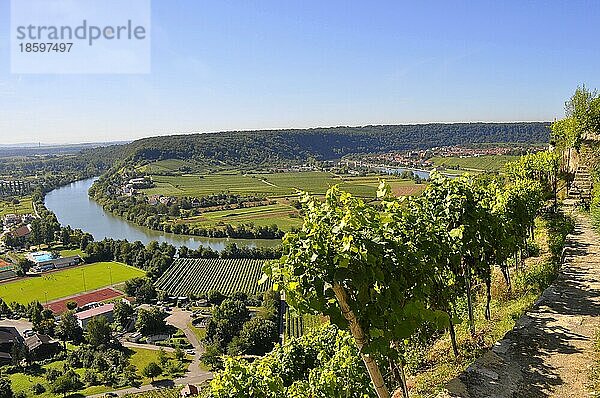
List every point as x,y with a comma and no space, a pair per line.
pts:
550,350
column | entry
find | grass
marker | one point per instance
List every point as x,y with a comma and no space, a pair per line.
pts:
199,332
73,252
480,163
25,206
22,382
67,282
432,366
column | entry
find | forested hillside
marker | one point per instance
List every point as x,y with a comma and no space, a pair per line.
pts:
270,146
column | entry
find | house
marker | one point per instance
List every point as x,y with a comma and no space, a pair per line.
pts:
41,346
21,232
9,337
84,317
11,219
190,390
45,261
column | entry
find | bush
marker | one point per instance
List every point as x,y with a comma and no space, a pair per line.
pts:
38,389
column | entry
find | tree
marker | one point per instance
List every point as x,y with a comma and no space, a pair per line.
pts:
66,383
98,331
68,328
122,313
226,322
179,354
215,297
162,357
152,370
150,322
71,305
354,264
5,388
258,336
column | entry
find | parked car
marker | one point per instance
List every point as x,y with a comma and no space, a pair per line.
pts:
190,352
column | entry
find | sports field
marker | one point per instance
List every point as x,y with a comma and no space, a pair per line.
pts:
67,282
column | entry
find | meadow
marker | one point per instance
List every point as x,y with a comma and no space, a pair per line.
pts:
67,282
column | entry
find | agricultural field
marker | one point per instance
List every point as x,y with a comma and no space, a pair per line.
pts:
199,276
283,215
167,166
67,282
271,185
480,163
160,393
24,206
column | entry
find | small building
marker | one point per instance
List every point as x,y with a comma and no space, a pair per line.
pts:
22,232
41,346
45,261
9,337
189,390
11,219
105,310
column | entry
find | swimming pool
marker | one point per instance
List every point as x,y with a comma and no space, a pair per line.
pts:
40,257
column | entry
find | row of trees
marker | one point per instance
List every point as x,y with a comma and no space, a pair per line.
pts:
387,270
231,330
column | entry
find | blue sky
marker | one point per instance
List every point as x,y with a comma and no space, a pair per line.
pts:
225,65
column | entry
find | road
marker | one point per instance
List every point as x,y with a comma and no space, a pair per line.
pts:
181,320
195,375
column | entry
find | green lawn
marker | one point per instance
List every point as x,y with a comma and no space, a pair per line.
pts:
67,282
25,206
73,252
22,382
483,163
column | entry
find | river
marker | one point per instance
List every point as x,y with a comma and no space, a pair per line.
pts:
73,207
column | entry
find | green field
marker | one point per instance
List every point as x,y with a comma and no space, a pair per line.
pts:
283,215
271,185
24,207
67,282
483,163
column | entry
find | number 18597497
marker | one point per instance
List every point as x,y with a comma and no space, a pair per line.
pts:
45,47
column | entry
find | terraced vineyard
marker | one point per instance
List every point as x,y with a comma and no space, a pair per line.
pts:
298,325
160,393
199,276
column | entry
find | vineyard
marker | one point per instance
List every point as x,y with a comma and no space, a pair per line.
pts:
199,276
298,325
160,393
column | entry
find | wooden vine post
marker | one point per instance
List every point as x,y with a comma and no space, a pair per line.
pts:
360,338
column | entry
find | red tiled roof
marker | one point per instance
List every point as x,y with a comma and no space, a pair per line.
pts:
103,309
